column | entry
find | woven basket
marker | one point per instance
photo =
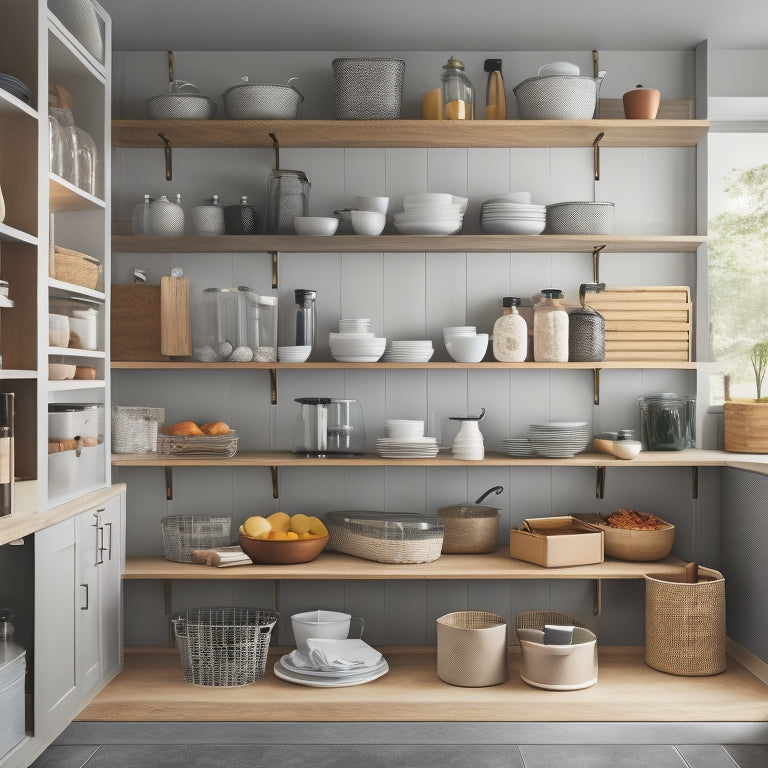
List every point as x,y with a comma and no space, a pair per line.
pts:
685,624
469,529
77,268
223,447
134,429
556,97
368,89
472,649
580,218
183,533
223,647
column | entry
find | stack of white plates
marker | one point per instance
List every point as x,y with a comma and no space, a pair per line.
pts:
559,439
405,440
431,213
408,351
506,215
14,86
296,667
355,343
517,446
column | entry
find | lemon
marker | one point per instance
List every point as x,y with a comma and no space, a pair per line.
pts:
256,527
279,521
300,523
291,536
277,535
317,527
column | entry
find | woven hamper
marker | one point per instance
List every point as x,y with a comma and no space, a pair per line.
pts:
685,624
472,649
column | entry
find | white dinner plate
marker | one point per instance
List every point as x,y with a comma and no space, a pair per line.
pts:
316,682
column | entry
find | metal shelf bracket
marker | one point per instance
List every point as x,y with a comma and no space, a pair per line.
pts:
598,604
600,482
273,385
168,156
275,485
275,266
694,482
169,483
596,386
596,262
596,154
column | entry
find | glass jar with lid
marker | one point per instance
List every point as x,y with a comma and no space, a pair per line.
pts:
458,93
510,333
586,329
550,328
287,198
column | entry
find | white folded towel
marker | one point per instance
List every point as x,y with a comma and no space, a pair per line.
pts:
336,655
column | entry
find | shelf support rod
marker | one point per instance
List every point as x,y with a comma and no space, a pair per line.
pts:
598,604
169,483
596,154
596,386
275,266
168,157
273,385
275,486
168,589
600,483
694,482
596,262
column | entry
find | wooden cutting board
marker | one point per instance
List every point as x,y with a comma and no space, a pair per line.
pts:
135,323
175,323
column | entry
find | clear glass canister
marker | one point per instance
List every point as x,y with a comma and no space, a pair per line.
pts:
140,222
586,329
287,198
215,325
305,319
667,421
258,321
510,333
550,328
458,93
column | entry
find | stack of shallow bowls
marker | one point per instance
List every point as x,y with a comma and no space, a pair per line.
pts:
355,343
559,439
405,440
517,446
512,214
408,351
431,213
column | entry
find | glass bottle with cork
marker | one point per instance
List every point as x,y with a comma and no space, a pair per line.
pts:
458,93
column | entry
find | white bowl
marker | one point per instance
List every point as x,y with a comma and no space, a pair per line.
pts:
372,203
522,198
467,349
559,68
316,225
448,227
293,354
428,198
368,222
512,226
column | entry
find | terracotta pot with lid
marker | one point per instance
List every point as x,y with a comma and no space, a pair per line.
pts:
641,103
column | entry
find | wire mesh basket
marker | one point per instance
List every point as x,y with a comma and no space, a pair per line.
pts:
134,429
183,533
223,647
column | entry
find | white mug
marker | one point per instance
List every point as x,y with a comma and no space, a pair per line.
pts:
330,625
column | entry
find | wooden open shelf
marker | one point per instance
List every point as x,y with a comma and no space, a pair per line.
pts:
409,133
337,566
183,365
407,244
687,458
151,688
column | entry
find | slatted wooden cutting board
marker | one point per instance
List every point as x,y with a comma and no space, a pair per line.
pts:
646,323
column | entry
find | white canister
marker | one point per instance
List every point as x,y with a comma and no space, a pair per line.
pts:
69,420
83,329
550,328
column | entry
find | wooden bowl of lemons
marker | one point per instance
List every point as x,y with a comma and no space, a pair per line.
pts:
281,539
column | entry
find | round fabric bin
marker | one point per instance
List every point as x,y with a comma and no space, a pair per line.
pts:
556,667
472,649
685,624
368,89
469,529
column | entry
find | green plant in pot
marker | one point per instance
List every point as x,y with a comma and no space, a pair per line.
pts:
745,421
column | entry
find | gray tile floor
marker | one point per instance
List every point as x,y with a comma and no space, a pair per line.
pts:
403,755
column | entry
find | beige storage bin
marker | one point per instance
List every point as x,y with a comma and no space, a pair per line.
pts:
472,649
556,667
685,623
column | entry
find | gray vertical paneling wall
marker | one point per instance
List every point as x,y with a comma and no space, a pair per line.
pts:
409,296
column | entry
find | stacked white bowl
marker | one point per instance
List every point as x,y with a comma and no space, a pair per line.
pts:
512,214
464,344
417,351
293,354
405,440
431,213
355,343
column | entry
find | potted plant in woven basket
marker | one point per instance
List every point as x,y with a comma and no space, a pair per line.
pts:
745,421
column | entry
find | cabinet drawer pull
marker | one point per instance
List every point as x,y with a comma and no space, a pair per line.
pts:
85,607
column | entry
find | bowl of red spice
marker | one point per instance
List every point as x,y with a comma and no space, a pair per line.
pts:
632,535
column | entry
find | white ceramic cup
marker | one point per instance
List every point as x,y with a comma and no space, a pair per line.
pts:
380,204
328,625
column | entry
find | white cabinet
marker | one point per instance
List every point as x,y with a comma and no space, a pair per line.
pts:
78,609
